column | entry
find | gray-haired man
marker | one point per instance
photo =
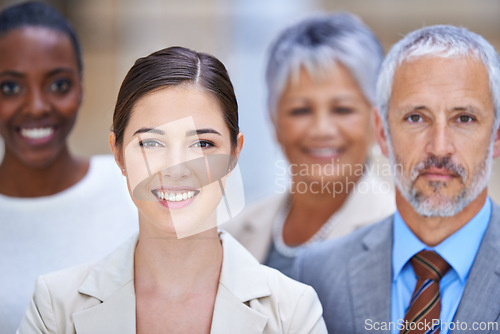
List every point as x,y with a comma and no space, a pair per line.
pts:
433,266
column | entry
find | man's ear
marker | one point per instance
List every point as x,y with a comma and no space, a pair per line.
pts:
496,144
380,132
117,152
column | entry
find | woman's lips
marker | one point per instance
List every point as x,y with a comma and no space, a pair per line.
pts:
323,152
37,135
175,198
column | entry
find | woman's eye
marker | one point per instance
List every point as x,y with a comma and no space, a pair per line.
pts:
60,86
150,143
299,111
203,144
342,110
465,119
10,88
414,118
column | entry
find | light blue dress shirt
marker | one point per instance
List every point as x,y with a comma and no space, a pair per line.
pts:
459,250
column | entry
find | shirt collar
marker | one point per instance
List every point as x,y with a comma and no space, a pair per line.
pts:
459,249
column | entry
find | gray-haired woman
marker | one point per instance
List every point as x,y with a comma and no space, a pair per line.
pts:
321,76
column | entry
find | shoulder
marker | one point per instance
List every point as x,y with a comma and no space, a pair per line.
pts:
104,166
371,200
55,299
253,227
288,305
260,213
296,303
60,294
327,260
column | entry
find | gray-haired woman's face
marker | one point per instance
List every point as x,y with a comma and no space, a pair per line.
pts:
324,126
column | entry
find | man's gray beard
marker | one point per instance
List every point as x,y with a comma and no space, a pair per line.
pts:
429,206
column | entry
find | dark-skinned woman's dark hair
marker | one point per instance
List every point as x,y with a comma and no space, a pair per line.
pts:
38,14
176,66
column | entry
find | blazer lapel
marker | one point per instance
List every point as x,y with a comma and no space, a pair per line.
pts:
231,315
371,294
111,282
479,302
240,282
115,315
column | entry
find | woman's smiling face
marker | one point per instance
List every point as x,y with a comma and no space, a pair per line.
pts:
40,93
170,134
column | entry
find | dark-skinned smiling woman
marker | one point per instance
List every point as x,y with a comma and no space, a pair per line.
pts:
56,210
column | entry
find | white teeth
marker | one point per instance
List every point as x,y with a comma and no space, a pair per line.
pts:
323,152
37,133
174,196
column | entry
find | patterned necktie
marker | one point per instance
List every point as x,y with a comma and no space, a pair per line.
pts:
423,314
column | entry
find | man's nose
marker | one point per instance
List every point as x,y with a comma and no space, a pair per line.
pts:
440,142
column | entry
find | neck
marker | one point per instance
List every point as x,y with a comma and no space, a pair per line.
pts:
311,209
317,200
165,262
19,180
434,230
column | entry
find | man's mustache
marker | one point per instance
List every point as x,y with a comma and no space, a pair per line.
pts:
445,163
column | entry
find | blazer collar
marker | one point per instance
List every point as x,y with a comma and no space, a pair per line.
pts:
111,281
371,293
478,303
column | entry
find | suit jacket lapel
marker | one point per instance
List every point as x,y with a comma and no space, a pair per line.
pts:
479,302
371,294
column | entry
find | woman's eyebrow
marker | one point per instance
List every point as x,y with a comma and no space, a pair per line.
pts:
150,130
202,131
12,74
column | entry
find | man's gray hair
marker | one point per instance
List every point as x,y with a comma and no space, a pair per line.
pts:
439,41
316,44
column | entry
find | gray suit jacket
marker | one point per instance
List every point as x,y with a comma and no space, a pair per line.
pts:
352,277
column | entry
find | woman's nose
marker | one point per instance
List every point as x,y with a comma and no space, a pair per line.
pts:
177,172
37,103
323,125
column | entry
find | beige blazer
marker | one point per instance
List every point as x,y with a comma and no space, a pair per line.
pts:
100,298
370,201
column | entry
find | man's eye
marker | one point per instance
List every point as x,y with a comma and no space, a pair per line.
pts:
150,143
414,118
465,119
60,86
10,88
203,144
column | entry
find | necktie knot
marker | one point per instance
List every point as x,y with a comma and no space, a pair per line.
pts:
429,265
